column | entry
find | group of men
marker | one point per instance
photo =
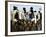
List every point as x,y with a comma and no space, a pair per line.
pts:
25,21
31,15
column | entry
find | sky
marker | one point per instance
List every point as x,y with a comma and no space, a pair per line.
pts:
20,7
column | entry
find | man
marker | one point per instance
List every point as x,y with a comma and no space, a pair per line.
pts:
14,19
31,15
24,13
15,14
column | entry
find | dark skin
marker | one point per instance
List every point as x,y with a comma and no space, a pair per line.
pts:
24,10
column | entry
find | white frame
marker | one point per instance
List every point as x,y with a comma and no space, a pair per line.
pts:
26,32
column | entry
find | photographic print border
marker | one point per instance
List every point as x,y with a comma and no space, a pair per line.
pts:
6,18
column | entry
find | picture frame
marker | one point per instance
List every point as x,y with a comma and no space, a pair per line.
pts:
8,9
